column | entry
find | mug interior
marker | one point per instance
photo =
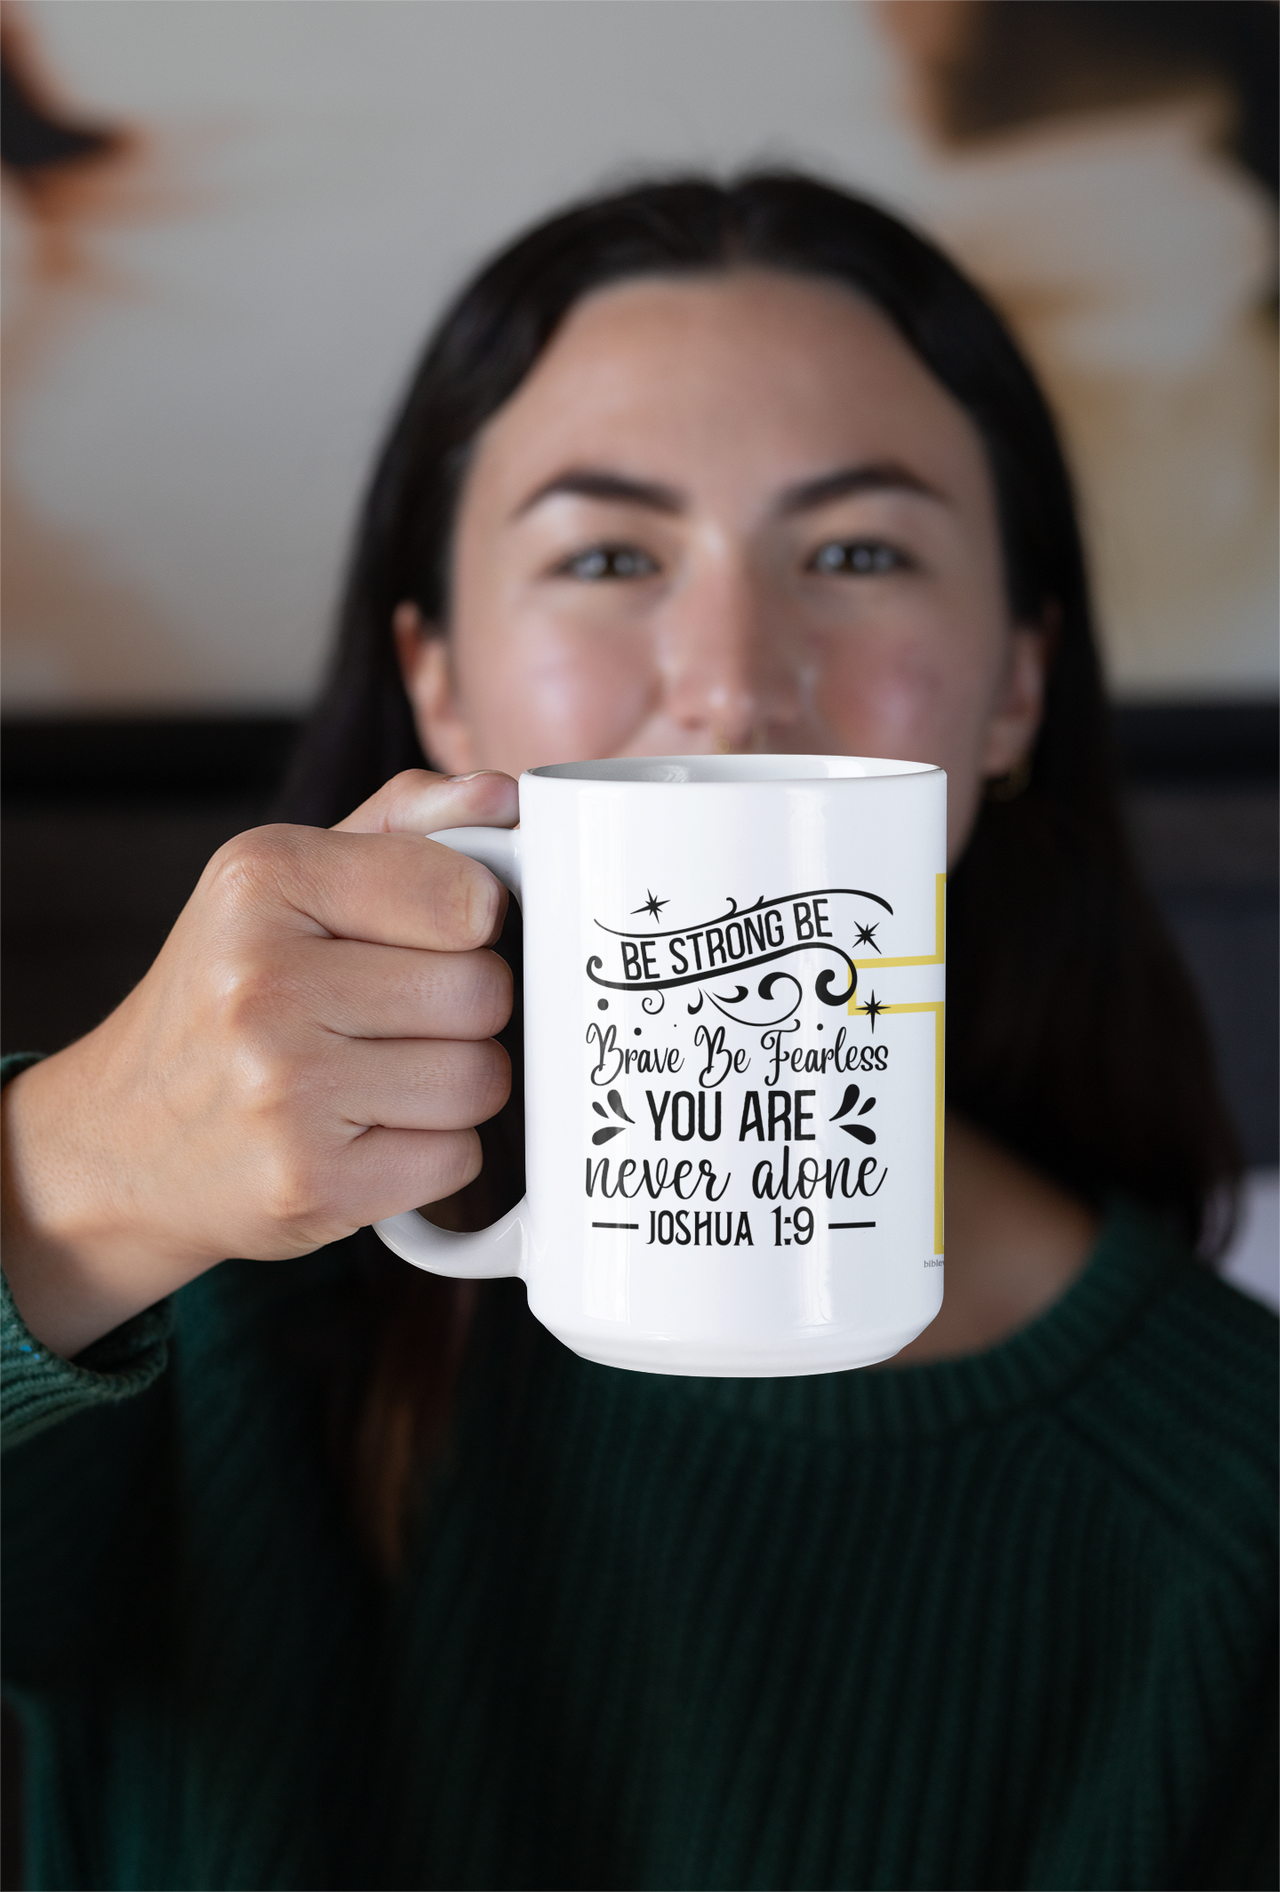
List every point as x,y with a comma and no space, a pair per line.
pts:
728,768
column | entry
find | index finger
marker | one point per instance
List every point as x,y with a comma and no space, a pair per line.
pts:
385,889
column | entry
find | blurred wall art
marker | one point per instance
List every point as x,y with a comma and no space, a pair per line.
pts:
226,229
1108,172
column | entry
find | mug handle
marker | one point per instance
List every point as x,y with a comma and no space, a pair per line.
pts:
501,1249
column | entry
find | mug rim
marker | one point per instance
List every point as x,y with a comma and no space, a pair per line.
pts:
719,771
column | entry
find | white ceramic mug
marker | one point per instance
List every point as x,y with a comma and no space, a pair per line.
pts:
733,1061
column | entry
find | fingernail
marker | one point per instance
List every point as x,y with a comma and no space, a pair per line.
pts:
472,777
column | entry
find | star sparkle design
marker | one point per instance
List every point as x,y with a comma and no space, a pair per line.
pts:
867,936
873,1009
652,905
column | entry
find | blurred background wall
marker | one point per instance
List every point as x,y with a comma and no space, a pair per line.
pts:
209,322
227,227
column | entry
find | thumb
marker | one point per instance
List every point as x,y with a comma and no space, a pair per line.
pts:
420,802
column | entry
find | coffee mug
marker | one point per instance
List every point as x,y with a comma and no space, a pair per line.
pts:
733,1061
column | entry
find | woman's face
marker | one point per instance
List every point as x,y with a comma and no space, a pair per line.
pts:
728,513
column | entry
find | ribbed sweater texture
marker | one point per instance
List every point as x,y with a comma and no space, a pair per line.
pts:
1001,1622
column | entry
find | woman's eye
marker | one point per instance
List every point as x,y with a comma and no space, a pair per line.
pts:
609,561
858,558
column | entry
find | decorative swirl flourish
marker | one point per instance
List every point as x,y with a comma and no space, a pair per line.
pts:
735,912
765,991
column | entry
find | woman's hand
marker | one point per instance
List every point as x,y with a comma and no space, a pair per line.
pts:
310,1052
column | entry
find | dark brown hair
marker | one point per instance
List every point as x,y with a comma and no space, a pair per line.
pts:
1074,1033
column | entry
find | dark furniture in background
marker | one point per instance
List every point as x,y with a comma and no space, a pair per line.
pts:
1201,793
104,827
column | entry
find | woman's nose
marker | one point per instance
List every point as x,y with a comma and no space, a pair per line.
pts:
731,664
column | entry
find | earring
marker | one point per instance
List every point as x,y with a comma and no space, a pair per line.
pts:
1009,787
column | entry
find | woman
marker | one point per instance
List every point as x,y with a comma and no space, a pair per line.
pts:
685,469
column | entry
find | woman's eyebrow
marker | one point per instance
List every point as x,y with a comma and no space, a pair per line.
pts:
589,482
881,476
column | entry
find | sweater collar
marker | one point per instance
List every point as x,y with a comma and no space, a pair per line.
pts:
1133,1261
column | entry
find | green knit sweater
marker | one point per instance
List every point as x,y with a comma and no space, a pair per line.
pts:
1001,1622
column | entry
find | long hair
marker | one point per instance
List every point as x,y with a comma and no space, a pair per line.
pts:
1075,1036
